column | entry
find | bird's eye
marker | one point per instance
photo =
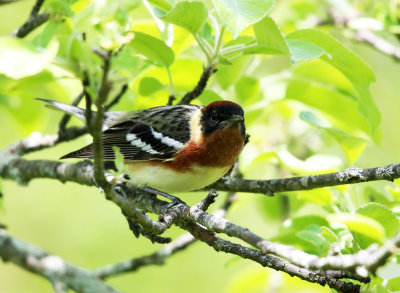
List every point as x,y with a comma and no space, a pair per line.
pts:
214,116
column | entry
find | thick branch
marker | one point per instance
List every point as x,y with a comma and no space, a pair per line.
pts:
348,176
159,257
60,273
22,171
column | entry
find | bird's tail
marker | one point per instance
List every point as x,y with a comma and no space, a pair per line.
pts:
73,110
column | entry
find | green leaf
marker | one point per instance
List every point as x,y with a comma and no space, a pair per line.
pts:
381,289
164,4
301,50
379,196
228,75
329,235
338,108
389,271
393,285
382,215
300,223
119,159
320,196
233,261
249,280
44,38
268,35
149,85
189,15
363,225
312,165
127,63
224,61
305,231
59,7
153,49
358,72
352,146
19,59
272,207
239,14
312,235
248,90
209,96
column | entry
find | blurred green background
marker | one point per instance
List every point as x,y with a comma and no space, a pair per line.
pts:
78,224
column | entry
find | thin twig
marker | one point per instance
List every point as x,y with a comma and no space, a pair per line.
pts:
139,230
116,98
208,200
136,215
36,7
35,20
171,99
196,92
65,119
88,101
157,258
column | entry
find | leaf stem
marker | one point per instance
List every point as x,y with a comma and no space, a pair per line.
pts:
219,42
237,48
203,48
171,82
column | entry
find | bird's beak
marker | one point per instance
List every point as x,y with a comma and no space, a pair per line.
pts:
234,120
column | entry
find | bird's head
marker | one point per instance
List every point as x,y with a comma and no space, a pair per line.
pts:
222,114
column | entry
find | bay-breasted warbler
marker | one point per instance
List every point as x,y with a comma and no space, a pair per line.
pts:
170,148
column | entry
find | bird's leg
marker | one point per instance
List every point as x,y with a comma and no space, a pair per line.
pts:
175,200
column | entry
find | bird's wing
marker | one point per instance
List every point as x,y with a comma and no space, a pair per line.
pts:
152,134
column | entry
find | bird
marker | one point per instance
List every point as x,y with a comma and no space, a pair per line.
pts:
176,148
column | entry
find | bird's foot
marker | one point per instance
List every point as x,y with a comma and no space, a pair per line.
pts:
174,200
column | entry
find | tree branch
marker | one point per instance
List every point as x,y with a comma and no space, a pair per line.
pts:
65,119
267,260
60,273
345,14
96,125
22,171
37,141
269,187
159,257
196,92
35,20
116,98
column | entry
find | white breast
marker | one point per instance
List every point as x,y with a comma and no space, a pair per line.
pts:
168,180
